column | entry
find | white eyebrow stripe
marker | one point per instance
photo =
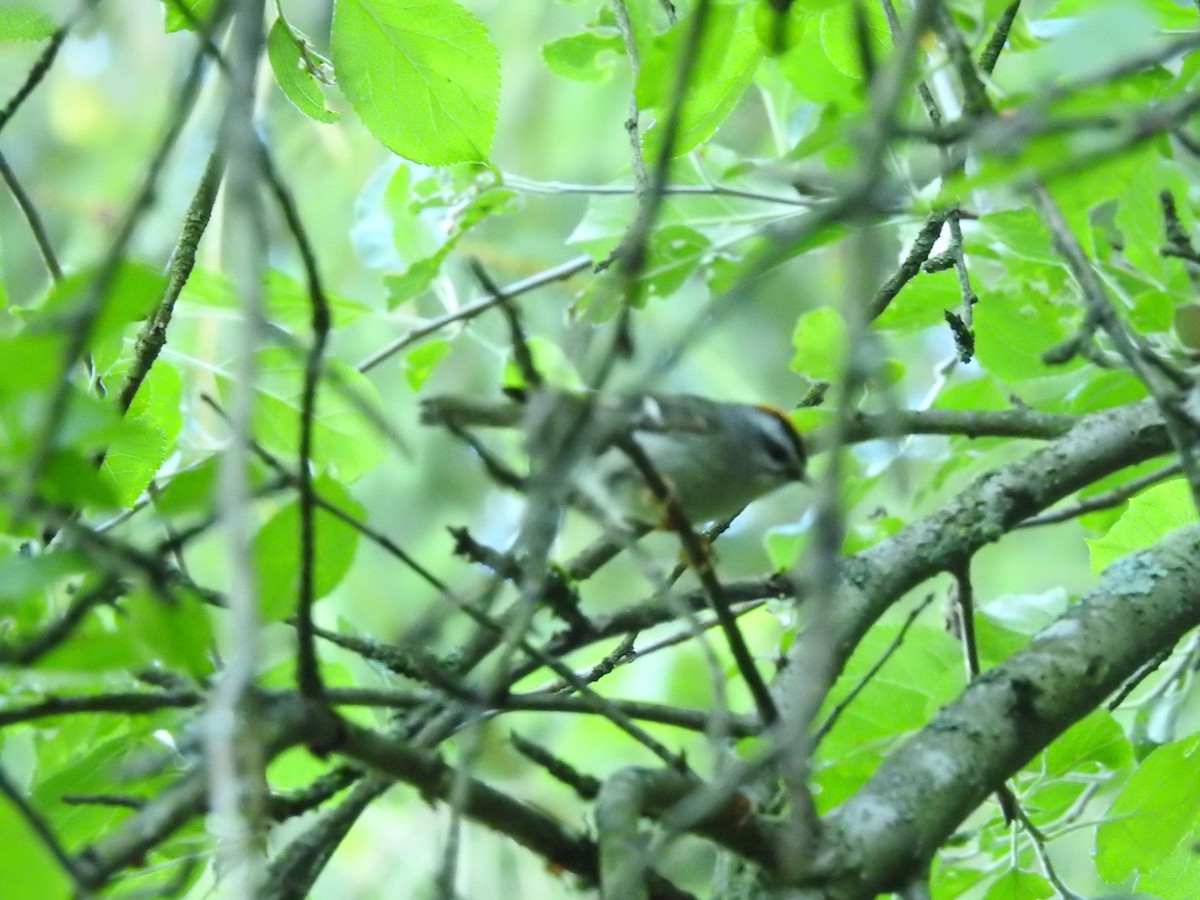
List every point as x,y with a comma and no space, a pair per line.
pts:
652,410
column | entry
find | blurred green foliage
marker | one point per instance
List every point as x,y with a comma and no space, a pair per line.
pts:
415,137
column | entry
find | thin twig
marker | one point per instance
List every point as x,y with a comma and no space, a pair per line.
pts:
1105,500
37,72
522,355
842,705
308,673
910,267
995,45
673,190
556,273
153,335
638,164
127,703
36,227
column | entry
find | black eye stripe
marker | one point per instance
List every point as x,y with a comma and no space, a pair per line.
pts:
783,444
778,452
784,459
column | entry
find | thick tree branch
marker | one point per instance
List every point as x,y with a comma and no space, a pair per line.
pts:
981,514
1145,601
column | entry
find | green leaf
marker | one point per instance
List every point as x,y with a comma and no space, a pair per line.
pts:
1104,390
346,440
24,22
718,219
287,301
837,30
1084,43
1096,742
87,424
198,10
439,211
975,393
602,226
413,280
820,343
954,881
1139,212
70,478
31,363
922,674
1101,520
27,573
1169,15
299,70
1016,884
100,644
133,458
1012,331
131,294
413,216
674,253
922,302
294,769
823,132
84,754
865,533
996,641
30,870
147,434
1152,828
1027,614
177,634
586,56
809,69
422,74
277,550
1150,515
1016,232
420,361
1153,310
1089,752
188,491
1080,192
728,55
779,32
783,544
